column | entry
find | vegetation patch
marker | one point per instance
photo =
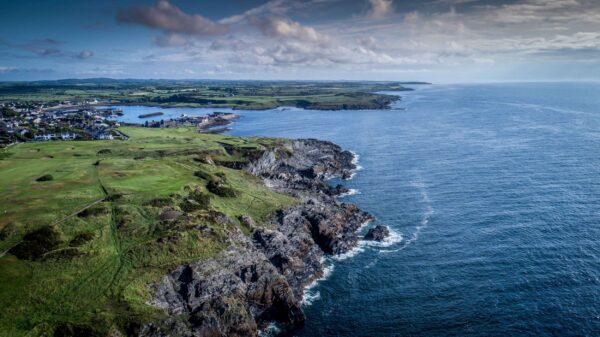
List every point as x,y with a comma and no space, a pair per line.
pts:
203,175
81,239
221,189
95,210
37,243
160,202
45,177
104,152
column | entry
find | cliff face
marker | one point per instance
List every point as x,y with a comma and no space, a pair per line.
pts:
260,278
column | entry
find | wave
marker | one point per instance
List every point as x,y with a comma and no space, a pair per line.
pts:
351,253
391,240
270,331
355,161
429,211
310,295
350,192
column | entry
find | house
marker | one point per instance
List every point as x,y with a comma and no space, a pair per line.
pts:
68,136
104,136
45,137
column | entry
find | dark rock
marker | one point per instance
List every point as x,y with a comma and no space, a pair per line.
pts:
377,233
228,296
170,215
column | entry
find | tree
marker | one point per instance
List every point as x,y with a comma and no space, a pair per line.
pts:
8,112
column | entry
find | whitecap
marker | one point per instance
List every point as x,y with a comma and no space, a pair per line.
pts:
271,331
389,241
310,295
351,253
355,160
350,192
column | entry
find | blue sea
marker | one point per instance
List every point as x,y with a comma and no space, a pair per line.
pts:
492,192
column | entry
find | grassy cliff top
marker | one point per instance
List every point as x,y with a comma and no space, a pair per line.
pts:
92,223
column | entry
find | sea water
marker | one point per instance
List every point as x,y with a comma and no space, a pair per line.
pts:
492,193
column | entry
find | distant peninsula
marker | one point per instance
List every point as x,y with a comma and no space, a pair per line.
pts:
238,95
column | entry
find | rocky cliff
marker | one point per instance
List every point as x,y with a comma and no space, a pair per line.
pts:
260,277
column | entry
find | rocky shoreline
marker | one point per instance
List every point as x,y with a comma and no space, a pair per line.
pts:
260,278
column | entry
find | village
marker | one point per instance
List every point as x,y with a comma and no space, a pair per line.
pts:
68,121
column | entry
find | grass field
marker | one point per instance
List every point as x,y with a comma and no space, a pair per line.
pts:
103,202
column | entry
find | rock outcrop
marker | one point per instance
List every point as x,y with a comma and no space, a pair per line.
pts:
377,233
260,278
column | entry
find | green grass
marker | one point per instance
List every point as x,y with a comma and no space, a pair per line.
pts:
101,284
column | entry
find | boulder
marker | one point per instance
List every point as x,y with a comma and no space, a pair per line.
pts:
170,215
377,233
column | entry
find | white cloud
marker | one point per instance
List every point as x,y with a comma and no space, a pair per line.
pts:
286,28
380,8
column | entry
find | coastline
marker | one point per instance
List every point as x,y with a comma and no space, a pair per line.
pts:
386,104
265,279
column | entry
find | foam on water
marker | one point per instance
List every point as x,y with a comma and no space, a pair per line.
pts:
429,211
355,160
391,240
352,191
271,331
310,294
351,253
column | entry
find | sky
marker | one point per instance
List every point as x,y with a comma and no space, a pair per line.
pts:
440,41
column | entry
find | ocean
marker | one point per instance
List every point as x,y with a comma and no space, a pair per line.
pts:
492,193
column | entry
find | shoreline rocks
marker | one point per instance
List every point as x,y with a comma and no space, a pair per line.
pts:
260,278
377,233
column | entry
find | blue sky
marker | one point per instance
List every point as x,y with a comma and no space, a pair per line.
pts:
429,40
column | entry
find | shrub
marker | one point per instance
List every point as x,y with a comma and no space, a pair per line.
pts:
114,196
93,211
45,177
220,189
203,175
200,197
160,202
196,200
104,151
81,238
190,205
37,243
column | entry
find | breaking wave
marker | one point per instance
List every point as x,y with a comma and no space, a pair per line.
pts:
310,294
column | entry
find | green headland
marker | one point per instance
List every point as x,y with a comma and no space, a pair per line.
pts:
85,226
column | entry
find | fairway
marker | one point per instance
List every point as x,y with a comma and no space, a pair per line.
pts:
105,201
